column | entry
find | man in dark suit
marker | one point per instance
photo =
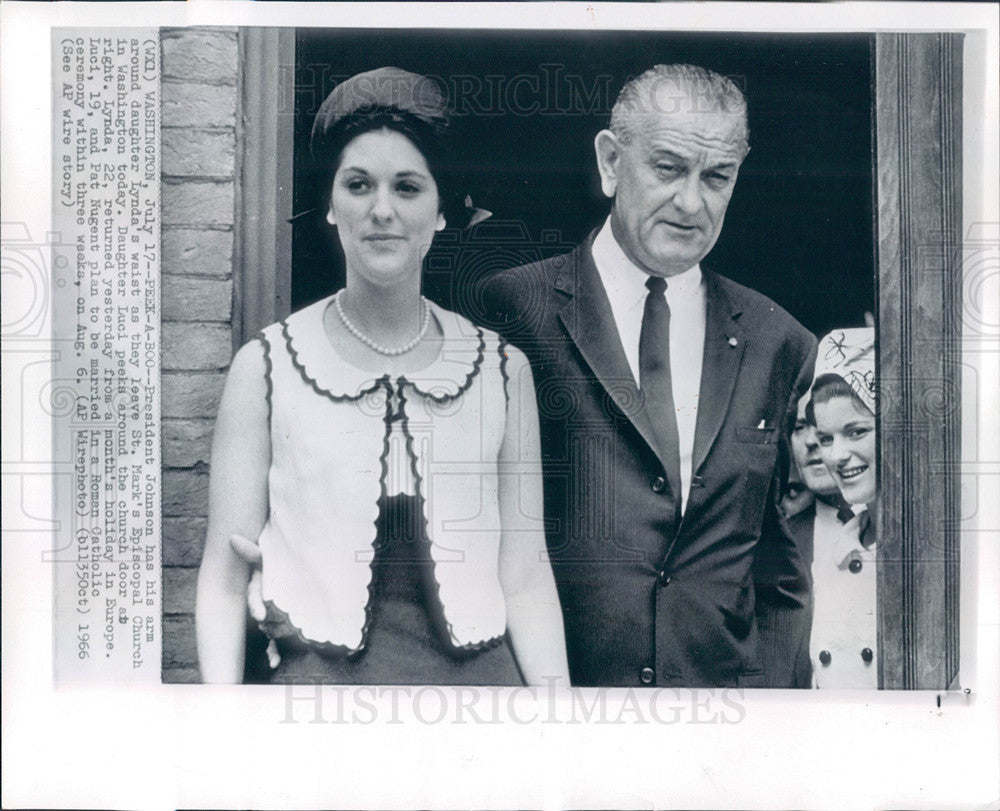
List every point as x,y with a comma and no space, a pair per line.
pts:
665,393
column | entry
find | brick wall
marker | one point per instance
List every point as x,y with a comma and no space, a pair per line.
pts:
198,148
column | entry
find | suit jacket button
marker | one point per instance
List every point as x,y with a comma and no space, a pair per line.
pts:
867,655
664,579
855,566
824,657
659,484
646,675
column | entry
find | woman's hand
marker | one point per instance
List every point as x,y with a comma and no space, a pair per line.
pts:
534,615
238,505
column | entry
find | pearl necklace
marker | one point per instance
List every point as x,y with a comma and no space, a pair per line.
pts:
386,350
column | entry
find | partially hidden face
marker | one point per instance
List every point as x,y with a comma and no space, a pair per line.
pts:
672,183
806,452
797,496
385,205
846,433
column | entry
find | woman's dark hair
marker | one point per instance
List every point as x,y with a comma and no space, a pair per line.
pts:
828,387
431,136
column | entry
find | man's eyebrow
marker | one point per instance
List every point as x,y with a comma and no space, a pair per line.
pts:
663,152
724,164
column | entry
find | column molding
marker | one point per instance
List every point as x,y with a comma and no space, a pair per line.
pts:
918,173
262,259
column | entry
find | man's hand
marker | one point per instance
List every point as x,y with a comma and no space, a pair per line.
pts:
250,553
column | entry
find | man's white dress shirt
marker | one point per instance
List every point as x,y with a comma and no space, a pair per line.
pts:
625,285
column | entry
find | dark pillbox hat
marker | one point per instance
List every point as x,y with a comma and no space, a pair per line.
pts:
388,87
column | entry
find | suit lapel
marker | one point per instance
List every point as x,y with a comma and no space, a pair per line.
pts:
586,315
724,345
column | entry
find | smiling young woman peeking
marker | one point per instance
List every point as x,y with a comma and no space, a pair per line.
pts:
842,411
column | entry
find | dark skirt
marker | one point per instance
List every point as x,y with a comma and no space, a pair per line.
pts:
404,644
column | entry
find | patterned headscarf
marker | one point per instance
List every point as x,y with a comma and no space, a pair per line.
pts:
850,354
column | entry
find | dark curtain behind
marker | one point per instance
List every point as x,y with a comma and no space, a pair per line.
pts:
799,228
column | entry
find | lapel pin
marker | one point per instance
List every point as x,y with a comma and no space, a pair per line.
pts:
733,342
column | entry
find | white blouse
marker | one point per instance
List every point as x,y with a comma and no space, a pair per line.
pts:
342,437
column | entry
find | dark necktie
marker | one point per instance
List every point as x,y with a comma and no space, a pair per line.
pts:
655,381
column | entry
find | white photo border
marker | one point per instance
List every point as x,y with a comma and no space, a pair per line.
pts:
198,746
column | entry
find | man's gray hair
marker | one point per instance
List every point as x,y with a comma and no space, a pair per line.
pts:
699,90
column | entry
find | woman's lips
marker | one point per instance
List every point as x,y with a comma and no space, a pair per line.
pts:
852,472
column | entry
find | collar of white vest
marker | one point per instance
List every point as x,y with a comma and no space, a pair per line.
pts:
450,374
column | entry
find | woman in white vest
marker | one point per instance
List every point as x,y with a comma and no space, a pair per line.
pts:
382,451
843,645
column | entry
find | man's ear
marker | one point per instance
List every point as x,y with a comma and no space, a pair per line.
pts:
441,222
608,149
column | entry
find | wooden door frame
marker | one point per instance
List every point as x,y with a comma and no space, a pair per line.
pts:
262,253
917,118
